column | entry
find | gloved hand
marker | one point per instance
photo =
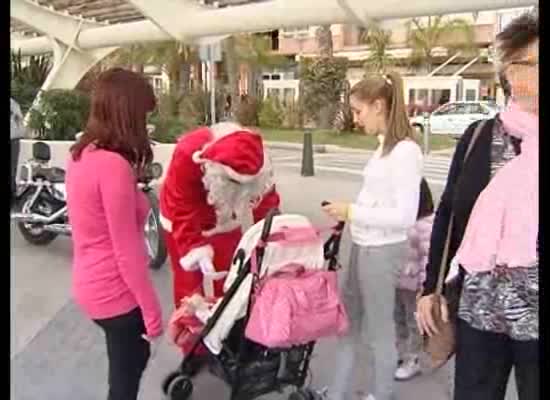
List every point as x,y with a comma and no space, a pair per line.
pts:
207,268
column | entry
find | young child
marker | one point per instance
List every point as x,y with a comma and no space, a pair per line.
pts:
411,277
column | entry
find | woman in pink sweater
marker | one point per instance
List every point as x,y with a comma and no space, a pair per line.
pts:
111,281
411,278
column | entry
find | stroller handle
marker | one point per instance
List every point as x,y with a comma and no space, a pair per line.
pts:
268,223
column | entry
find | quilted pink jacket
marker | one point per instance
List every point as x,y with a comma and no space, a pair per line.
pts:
413,273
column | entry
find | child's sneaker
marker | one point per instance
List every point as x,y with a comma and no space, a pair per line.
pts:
408,370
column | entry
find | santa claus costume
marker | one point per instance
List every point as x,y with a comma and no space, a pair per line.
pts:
217,176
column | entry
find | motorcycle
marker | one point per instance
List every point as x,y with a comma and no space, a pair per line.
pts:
41,204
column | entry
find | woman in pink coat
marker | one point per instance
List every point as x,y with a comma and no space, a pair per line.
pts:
411,277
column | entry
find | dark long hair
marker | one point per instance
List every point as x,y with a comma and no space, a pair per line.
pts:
426,203
121,100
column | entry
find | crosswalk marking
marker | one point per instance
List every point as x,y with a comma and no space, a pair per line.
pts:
436,168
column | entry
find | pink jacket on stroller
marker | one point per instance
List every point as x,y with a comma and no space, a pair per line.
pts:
279,255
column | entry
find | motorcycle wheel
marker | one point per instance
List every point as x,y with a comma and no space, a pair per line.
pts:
154,238
32,233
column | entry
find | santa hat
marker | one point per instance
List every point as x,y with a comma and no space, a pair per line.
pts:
240,153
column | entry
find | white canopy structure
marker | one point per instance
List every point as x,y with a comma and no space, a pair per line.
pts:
82,32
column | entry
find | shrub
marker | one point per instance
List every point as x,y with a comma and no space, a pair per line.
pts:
167,128
195,107
292,115
24,93
60,115
247,111
27,78
323,82
271,115
343,121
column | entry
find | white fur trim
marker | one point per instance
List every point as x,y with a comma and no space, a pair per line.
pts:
165,223
190,261
230,172
219,131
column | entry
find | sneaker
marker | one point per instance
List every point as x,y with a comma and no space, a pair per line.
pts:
408,370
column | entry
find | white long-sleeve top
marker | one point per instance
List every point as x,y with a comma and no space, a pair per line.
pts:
387,204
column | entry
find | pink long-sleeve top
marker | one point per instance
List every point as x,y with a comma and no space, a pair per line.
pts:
107,212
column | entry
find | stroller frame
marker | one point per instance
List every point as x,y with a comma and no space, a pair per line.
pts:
231,367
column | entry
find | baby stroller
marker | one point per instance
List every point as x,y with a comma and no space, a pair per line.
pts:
251,369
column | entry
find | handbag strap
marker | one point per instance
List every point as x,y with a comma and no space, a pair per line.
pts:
445,256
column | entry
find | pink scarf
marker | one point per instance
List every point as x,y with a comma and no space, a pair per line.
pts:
503,227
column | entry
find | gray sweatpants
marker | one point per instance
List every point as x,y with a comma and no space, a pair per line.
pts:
409,341
369,348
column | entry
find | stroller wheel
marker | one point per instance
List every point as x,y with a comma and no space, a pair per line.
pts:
180,388
168,380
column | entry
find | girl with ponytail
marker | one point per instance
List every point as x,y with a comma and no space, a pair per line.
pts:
385,208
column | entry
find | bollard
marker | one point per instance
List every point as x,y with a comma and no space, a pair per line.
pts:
307,154
426,133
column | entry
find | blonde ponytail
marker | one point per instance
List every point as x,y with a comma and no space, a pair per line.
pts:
399,126
389,88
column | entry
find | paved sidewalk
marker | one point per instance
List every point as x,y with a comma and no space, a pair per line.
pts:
57,354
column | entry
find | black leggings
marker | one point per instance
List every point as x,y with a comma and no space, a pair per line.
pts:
484,361
128,353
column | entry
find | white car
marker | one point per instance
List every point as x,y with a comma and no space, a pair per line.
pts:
453,118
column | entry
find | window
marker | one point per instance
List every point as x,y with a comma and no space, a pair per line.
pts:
447,109
471,95
461,109
441,96
423,95
412,96
474,109
302,31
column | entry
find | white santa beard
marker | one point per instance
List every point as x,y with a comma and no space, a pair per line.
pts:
232,201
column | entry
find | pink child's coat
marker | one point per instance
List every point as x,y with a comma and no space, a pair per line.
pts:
413,273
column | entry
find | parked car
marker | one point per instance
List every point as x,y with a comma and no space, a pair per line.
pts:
453,118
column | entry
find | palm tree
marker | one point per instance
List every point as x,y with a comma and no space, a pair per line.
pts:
27,79
251,50
323,34
231,64
425,36
255,52
378,40
172,57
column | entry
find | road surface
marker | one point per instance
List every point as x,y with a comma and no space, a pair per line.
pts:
436,167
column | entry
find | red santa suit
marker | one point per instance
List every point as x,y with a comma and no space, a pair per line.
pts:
199,234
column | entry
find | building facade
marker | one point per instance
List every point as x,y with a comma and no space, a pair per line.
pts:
468,78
